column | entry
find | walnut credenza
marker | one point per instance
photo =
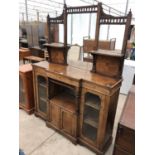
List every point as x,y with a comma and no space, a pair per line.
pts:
77,103
26,98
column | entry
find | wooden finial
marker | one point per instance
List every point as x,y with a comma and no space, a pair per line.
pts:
130,12
100,3
48,16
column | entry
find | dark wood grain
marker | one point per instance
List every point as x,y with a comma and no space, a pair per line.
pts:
108,63
125,138
57,53
128,115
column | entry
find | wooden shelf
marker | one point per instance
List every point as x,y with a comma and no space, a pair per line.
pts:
43,99
43,85
93,101
92,104
91,122
90,132
65,101
91,117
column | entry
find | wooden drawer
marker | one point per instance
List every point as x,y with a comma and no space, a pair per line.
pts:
95,87
63,79
126,138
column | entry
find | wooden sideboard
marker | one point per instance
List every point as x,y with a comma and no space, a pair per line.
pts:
26,98
77,103
125,138
77,99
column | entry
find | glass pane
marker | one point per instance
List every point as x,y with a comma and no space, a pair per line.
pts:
91,116
92,101
42,91
21,92
42,94
42,105
89,132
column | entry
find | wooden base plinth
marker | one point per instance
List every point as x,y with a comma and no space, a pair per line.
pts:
29,111
72,139
94,149
37,114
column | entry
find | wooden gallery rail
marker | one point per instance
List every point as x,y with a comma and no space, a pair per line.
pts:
79,99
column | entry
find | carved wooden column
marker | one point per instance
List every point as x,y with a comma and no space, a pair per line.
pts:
65,25
77,102
48,28
126,33
125,39
94,64
48,101
99,9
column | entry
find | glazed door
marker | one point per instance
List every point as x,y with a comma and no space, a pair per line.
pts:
89,116
68,122
42,95
55,115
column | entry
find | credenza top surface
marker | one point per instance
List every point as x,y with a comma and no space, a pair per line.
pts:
79,70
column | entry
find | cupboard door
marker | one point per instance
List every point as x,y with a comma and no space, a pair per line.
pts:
90,112
68,122
42,94
55,115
